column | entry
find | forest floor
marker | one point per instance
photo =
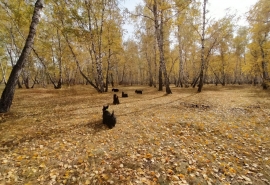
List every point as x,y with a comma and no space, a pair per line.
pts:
218,136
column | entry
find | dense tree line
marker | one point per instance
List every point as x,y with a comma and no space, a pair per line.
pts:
176,42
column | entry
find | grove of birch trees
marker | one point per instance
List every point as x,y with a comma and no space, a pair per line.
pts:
174,42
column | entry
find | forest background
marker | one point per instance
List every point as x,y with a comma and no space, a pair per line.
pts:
82,42
75,52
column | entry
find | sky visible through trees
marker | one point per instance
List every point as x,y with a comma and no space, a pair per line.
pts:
216,8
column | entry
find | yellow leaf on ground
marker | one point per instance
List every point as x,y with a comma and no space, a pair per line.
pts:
42,165
181,176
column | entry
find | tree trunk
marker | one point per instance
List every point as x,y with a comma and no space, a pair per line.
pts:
59,84
26,82
155,61
159,36
112,82
79,68
19,84
160,82
148,59
264,69
4,72
107,71
223,75
195,81
202,50
181,69
123,75
8,93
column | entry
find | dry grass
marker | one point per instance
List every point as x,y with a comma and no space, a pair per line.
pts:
220,136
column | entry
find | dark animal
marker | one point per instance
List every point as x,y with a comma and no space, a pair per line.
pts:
138,91
108,118
115,99
115,90
124,95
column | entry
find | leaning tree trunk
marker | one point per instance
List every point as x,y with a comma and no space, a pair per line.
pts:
202,50
78,66
8,93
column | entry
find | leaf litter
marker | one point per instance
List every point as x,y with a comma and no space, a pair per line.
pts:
219,136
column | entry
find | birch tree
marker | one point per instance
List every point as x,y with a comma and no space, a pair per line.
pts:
202,49
188,14
8,93
259,20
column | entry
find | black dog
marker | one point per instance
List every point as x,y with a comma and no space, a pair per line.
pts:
108,118
115,90
138,91
124,95
115,99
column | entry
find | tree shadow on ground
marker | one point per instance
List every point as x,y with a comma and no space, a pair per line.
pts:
157,105
94,126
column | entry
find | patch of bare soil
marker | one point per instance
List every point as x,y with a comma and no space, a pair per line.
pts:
219,136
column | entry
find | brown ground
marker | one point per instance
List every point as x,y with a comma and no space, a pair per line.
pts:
219,136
